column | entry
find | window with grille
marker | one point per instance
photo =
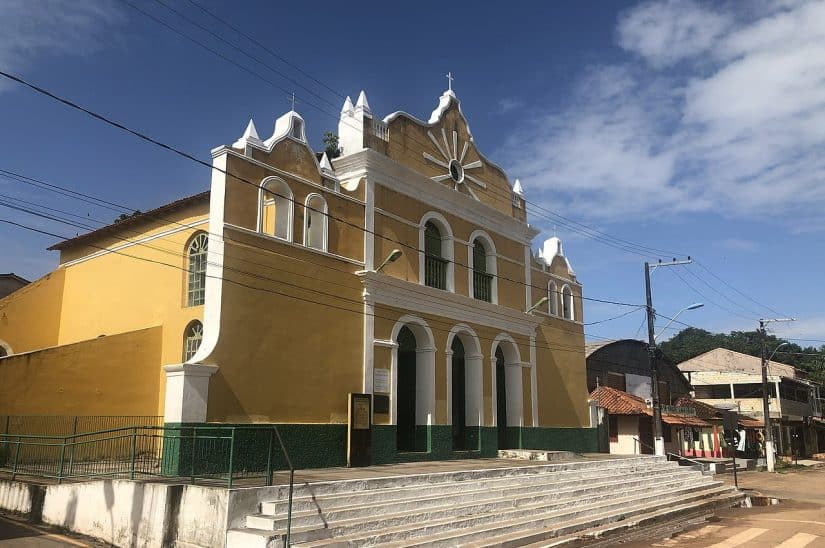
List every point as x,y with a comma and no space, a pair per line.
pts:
482,280
315,222
192,339
435,266
196,287
567,302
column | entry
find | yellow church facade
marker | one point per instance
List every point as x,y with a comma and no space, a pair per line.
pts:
402,269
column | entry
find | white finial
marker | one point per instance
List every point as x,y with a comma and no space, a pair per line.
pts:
293,101
249,134
362,102
325,163
347,105
450,81
517,188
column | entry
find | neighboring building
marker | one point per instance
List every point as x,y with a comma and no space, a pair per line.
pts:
259,301
11,282
731,380
630,424
625,365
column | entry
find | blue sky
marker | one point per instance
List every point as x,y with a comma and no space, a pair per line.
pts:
696,128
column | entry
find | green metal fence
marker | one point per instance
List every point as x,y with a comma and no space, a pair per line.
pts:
199,454
63,425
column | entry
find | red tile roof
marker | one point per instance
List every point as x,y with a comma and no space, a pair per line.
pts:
619,403
703,410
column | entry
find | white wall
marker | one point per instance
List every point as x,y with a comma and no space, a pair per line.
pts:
126,513
628,428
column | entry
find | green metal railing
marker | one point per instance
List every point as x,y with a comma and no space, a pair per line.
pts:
205,454
435,271
482,286
62,425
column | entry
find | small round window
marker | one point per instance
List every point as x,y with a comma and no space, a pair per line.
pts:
456,171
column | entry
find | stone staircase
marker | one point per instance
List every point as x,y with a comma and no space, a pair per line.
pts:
555,504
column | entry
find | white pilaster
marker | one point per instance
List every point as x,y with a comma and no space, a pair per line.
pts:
425,386
534,390
187,392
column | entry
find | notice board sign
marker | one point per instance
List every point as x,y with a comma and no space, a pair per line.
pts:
359,430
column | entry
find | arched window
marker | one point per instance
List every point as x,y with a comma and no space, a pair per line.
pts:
196,254
3,352
192,338
483,271
567,302
315,222
435,266
482,279
276,209
553,299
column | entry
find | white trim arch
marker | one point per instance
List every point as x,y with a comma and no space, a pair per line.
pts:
283,202
424,369
492,263
553,296
473,378
447,246
568,310
313,212
514,384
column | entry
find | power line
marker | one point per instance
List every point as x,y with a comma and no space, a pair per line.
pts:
29,180
738,291
622,315
604,238
705,297
563,348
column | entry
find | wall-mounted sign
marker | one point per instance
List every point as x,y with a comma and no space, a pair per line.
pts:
359,431
381,381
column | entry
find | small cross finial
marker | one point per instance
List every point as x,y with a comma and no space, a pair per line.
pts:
293,100
450,81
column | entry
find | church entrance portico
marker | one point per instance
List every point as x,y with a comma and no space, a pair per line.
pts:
413,390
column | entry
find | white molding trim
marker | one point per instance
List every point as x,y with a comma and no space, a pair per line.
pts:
404,180
447,241
291,244
7,347
557,277
513,384
324,217
369,308
385,343
140,241
424,370
282,173
213,297
528,279
387,290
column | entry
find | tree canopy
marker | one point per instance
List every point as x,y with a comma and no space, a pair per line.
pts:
691,342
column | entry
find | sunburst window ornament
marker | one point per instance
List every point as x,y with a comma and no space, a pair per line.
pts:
453,162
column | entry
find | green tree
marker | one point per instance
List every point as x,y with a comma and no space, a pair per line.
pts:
331,147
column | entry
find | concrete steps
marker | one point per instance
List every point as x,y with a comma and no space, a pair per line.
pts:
497,507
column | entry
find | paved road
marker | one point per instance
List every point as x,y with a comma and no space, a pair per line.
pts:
798,521
17,533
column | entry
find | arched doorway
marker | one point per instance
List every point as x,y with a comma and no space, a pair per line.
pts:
459,391
508,394
405,422
501,399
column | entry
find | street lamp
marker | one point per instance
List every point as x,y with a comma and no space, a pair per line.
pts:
770,460
535,306
694,306
391,258
658,439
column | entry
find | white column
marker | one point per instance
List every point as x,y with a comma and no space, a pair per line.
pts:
425,386
187,392
515,394
474,390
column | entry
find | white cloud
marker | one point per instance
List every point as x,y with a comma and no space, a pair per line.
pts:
508,104
33,29
739,129
737,244
664,33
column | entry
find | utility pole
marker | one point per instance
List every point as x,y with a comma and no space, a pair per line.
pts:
658,439
770,459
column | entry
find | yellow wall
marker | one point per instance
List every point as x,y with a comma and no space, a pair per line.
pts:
290,345
30,317
113,375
